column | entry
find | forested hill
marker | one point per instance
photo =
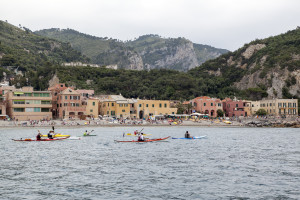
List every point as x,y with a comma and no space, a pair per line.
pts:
146,52
23,51
263,68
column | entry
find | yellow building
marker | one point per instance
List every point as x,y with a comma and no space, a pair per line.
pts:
255,106
92,107
115,106
147,108
26,104
279,107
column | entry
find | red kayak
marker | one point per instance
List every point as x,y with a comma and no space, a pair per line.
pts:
150,140
46,139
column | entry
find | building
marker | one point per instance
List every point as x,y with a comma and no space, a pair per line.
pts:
255,106
280,107
92,107
147,108
2,104
234,108
67,103
207,105
115,106
26,104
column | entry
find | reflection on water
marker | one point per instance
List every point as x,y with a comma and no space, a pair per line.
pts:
255,163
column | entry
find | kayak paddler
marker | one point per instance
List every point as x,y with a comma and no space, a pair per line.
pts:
39,135
50,135
141,137
187,135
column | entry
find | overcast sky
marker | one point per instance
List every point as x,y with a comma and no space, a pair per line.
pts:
227,24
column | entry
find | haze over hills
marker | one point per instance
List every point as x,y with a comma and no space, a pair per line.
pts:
145,53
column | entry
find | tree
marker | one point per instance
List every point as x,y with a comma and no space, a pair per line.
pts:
261,112
220,113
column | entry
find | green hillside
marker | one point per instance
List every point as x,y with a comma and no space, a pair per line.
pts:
146,52
27,52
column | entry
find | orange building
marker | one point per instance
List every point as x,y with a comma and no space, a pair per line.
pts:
67,102
207,105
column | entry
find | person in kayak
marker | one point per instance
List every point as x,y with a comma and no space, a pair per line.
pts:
85,133
50,135
39,135
141,137
136,132
187,135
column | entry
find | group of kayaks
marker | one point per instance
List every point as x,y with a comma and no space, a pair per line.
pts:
56,136
59,136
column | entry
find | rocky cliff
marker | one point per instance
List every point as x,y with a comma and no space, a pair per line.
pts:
146,52
269,66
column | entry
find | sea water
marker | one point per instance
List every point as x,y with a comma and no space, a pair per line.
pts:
231,163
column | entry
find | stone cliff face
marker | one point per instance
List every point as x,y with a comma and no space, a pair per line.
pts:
180,57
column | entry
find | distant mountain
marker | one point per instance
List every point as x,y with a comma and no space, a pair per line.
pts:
263,68
146,52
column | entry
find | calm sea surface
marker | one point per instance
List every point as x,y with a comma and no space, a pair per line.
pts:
232,163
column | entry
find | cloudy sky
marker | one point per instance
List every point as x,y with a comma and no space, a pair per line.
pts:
225,24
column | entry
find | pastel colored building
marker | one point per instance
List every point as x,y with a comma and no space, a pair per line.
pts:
207,105
255,106
234,108
115,106
280,107
148,108
92,107
2,104
26,104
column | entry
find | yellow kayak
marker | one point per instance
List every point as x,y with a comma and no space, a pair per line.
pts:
132,134
57,135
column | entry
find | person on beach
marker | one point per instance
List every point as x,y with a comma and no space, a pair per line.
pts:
141,137
187,135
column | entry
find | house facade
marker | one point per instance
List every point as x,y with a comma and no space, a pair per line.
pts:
234,108
280,107
207,105
26,104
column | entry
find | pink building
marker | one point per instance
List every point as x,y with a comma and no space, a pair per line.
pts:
234,108
207,105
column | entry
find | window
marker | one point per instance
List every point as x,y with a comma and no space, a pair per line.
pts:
77,104
45,110
29,110
66,97
123,110
91,110
28,94
65,104
19,110
160,105
121,105
165,105
140,105
126,105
94,103
211,104
204,104
19,101
219,104
108,104
147,105
108,112
113,113
152,105
237,105
37,109
45,102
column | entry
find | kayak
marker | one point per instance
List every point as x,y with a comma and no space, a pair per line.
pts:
149,140
193,138
89,135
74,138
132,134
57,135
34,140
